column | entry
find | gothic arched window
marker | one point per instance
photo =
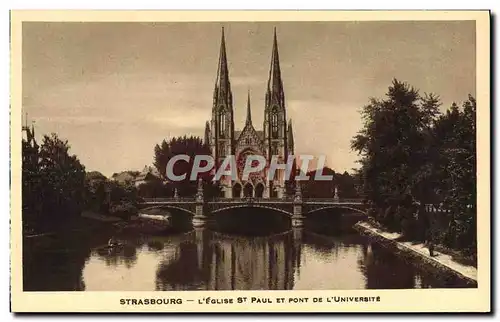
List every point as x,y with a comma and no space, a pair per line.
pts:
222,150
222,123
274,123
274,148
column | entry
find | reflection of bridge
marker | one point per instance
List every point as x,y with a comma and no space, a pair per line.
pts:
295,207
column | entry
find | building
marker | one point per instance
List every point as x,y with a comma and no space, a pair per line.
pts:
125,177
275,138
148,174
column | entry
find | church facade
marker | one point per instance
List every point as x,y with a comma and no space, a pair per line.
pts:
275,139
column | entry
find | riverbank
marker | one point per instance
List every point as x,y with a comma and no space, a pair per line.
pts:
87,221
90,222
418,254
100,217
142,224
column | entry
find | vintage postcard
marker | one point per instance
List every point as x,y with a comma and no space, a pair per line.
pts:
250,161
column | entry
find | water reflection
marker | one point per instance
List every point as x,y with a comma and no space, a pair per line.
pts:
378,268
206,260
377,265
54,264
125,255
215,261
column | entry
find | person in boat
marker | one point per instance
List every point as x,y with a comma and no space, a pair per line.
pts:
112,242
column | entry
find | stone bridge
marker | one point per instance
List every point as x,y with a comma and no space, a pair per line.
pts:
295,207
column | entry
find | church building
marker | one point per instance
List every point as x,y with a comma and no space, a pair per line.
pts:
275,138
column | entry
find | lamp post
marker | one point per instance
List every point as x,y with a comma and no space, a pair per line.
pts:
336,194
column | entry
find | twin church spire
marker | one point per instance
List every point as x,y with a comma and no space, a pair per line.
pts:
221,133
222,91
274,139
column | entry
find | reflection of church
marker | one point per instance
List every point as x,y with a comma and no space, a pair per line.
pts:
214,261
276,138
260,264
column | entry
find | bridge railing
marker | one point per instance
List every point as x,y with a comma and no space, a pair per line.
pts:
340,200
160,200
249,200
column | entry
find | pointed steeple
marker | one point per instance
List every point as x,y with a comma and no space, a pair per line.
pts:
274,84
249,111
222,123
222,84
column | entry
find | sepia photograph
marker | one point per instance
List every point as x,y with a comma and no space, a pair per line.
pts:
313,155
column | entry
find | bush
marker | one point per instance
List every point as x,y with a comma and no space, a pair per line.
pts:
123,210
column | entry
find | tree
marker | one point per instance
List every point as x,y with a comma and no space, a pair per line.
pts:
392,144
319,189
346,185
390,140
455,134
161,157
31,183
154,188
410,152
96,191
54,182
190,146
63,177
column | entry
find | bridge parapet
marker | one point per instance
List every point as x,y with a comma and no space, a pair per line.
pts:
167,200
335,200
296,208
252,200
358,200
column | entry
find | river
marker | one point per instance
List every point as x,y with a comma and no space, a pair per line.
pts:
205,259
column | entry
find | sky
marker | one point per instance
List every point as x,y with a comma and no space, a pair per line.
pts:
115,89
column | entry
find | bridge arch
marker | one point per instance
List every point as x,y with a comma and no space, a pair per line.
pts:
336,207
237,188
168,207
248,206
259,190
248,189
